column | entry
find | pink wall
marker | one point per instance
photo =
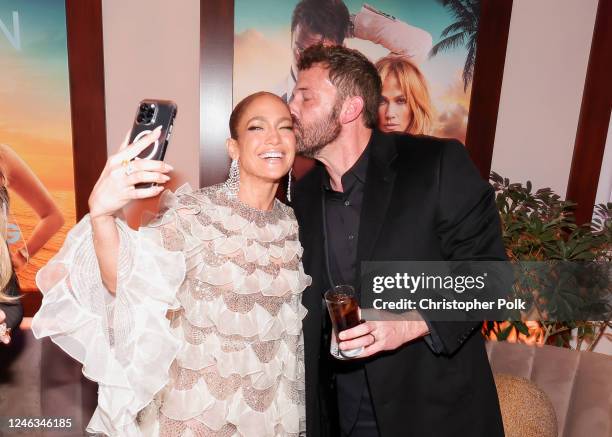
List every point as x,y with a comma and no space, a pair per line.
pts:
151,50
546,61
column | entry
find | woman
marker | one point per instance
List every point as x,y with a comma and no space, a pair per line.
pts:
14,172
11,311
405,105
191,325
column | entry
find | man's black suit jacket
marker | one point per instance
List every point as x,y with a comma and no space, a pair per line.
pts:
423,200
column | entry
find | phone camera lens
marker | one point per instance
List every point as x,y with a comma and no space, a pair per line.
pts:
143,107
140,119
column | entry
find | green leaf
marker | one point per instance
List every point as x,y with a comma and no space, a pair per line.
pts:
522,328
504,333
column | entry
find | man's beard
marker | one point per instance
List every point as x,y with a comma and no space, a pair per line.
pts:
313,138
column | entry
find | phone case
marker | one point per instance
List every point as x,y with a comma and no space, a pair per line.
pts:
150,114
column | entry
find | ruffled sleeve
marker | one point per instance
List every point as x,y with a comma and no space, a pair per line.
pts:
124,342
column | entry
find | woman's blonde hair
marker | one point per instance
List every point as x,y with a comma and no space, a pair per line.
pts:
6,267
414,87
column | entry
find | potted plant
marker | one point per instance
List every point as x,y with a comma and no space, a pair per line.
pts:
540,227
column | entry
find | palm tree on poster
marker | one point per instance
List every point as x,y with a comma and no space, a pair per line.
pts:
462,32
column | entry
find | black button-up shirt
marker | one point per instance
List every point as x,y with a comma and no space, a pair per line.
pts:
342,216
342,213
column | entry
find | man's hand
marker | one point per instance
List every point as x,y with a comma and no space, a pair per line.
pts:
377,336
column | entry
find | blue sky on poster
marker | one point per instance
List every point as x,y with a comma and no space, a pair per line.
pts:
40,67
42,28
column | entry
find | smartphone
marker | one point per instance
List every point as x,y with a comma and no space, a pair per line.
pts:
150,114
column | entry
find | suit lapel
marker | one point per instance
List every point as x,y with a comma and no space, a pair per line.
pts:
377,194
311,228
311,237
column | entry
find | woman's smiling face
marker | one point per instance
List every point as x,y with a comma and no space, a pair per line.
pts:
266,143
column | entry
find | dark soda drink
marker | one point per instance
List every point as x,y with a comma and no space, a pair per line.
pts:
344,313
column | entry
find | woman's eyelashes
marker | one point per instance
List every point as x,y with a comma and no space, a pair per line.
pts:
398,101
260,128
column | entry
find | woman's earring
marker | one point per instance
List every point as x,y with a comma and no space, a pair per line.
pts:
289,185
233,181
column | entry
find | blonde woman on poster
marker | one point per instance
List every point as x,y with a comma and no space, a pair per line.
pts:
405,105
191,325
16,174
329,22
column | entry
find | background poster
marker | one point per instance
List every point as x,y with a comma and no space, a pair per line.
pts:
263,53
35,111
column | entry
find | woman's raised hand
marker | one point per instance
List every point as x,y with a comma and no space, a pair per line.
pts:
116,186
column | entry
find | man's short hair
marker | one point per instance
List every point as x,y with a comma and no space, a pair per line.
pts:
328,18
351,73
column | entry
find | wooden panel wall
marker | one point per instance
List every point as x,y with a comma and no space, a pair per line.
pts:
594,118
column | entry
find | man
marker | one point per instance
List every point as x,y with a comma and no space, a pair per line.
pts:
383,197
328,22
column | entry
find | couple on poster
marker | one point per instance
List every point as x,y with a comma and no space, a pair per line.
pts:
210,319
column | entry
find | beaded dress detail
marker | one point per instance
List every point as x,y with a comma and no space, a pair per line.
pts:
204,335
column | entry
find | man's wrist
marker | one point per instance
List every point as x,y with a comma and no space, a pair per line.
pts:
421,328
415,328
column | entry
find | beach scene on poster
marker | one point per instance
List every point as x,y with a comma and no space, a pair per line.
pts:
35,115
436,37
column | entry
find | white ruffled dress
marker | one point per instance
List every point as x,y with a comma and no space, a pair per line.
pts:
204,334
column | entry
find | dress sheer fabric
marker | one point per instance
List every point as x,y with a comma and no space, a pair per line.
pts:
204,334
